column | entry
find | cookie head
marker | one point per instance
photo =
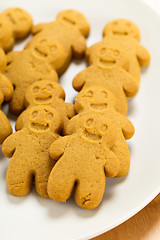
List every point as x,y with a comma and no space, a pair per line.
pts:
20,21
43,119
75,18
121,28
94,98
107,57
6,34
50,50
94,128
43,93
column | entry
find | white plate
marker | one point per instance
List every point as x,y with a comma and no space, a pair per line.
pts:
32,217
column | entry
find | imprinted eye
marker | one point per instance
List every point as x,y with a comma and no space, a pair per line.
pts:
34,114
89,122
43,41
49,87
115,23
104,128
104,94
53,48
49,116
128,24
35,89
89,94
116,52
102,50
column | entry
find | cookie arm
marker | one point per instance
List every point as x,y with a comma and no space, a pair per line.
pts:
57,148
79,80
127,127
9,145
69,128
6,87
130,85
112,165
12,55
19,122
142,55
79,46
38,28
70,110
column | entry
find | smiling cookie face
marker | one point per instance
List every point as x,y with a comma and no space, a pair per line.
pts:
121,28
95,98
50,50
106,55
43,93
75,18
42,119
94,128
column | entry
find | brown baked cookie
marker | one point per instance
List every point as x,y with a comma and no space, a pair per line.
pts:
84,158
48,48
127,34
109,65
6,91
29,151
46,92
15,24
70,29
99,100
28,66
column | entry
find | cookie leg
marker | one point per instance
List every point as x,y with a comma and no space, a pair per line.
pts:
61,182
90,189
121,151
134,69
41,180
19,178
122,106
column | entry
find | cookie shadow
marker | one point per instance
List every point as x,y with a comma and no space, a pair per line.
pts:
55,210
131,107
2,157
111,184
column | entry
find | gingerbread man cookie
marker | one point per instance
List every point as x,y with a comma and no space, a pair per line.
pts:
47,92
15,23
84,158
99,100
29,151
31,65
127,34
6,92
109,65
70,29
